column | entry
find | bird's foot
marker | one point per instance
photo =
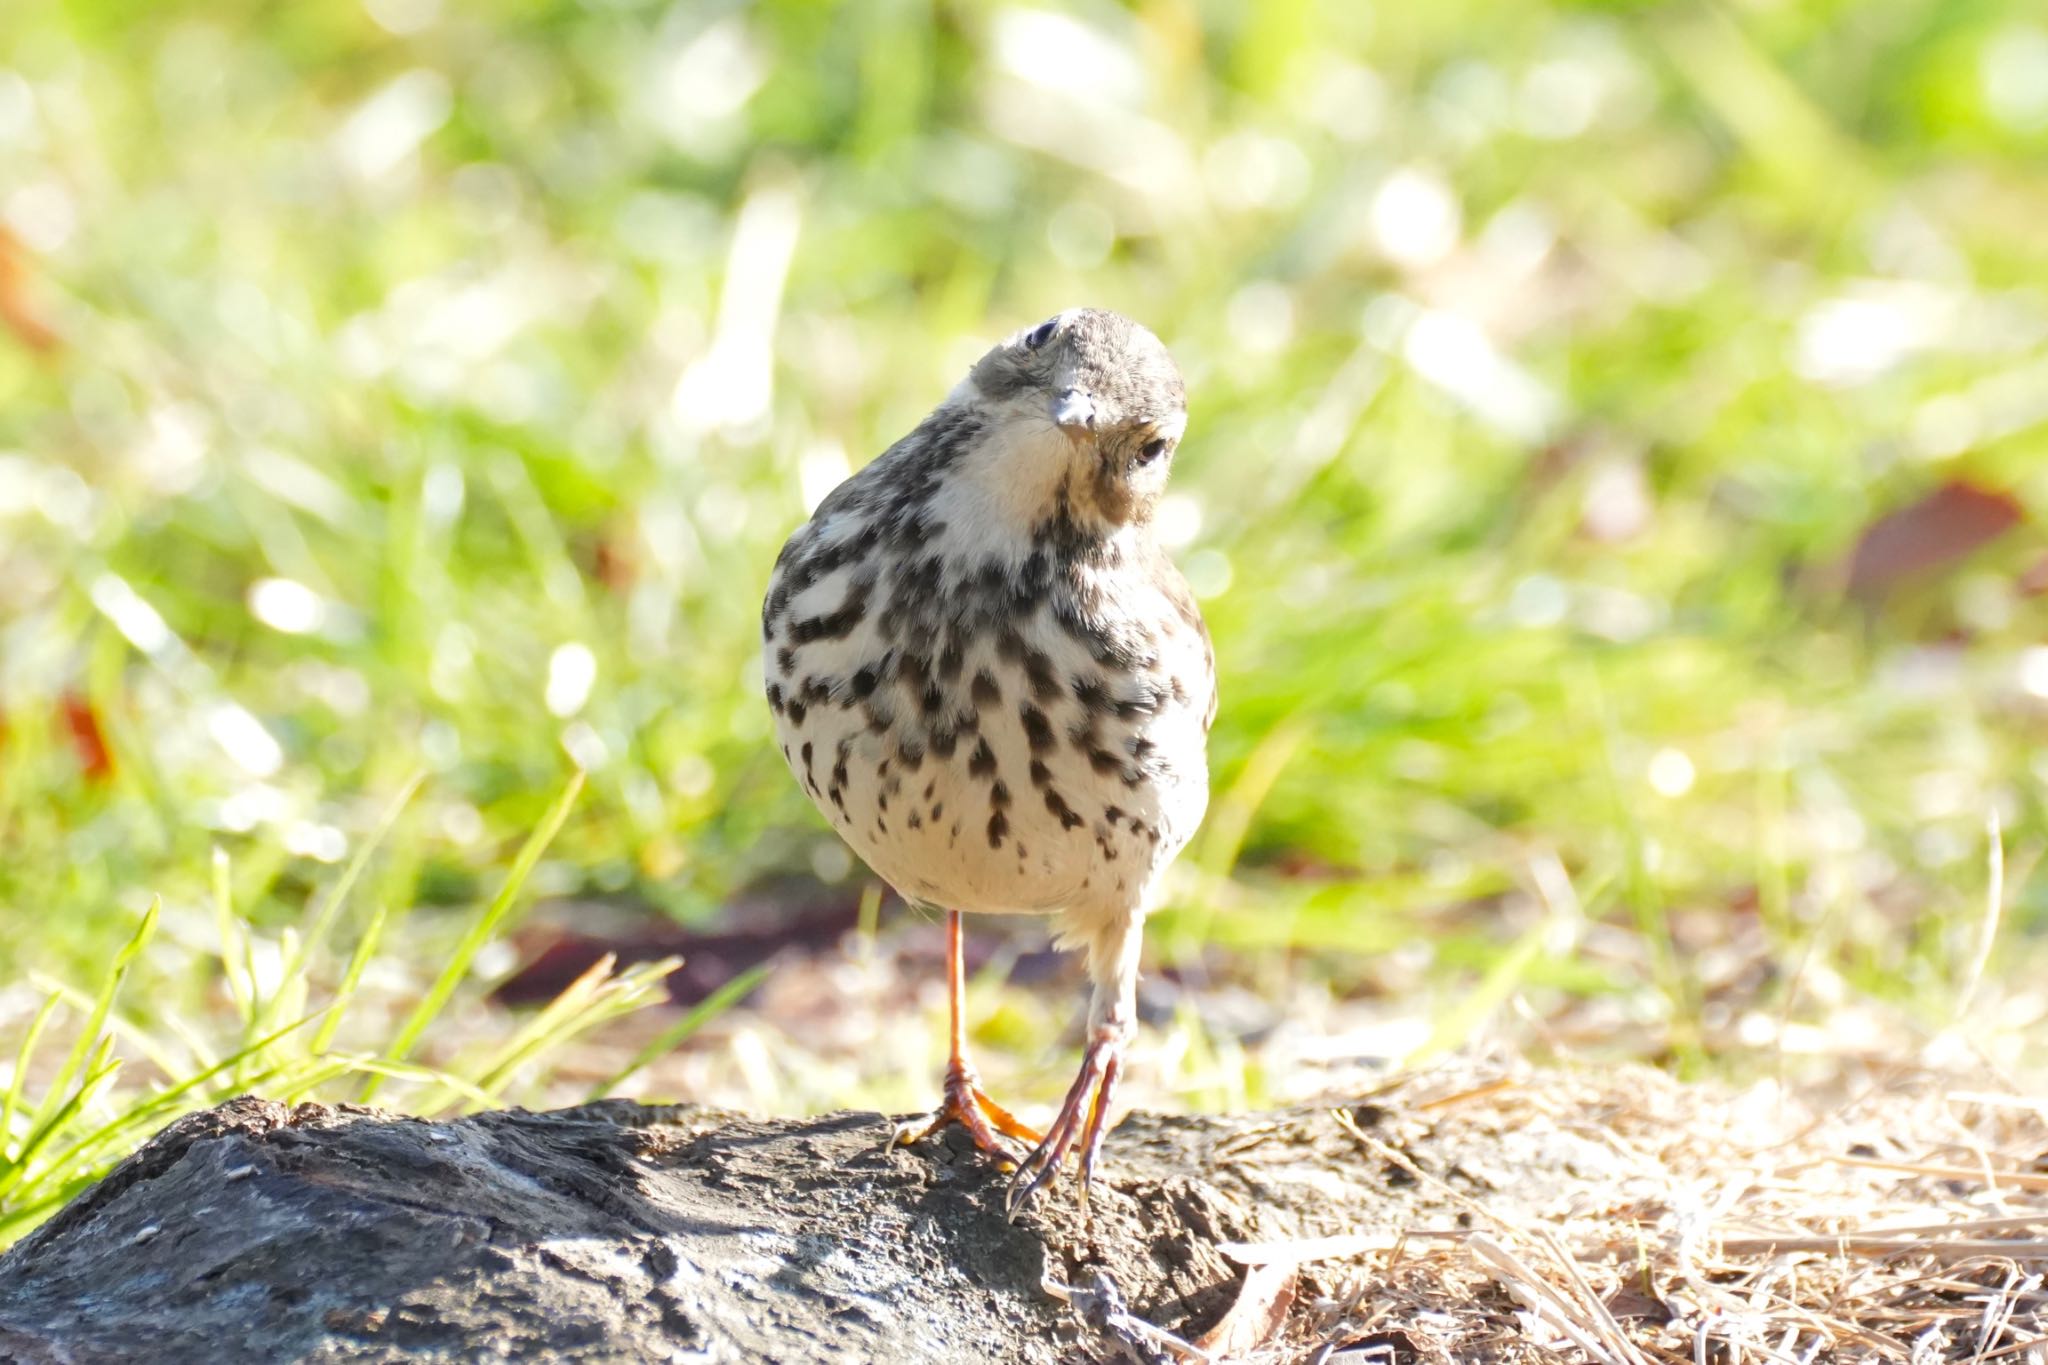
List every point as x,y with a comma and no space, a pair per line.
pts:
1083,1116
968,1105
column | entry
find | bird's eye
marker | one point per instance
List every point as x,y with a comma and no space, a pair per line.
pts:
1041,334
1151,451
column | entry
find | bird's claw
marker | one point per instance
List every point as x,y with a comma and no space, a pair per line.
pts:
968,1105
1082,1116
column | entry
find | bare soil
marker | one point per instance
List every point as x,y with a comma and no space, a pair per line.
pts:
1455,1215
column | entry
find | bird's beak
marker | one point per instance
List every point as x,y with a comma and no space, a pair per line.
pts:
1074,412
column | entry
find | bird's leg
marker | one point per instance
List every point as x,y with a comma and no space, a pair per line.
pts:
965,1102
1084,1115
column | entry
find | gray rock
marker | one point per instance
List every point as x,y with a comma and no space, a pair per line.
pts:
257,1232
261,1232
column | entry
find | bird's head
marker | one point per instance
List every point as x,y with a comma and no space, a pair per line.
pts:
1107,393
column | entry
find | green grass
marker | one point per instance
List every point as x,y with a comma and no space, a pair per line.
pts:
363,422
51,1148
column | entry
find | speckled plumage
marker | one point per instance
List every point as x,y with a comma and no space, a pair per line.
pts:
982,667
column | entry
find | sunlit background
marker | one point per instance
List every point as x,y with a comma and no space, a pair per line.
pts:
1616,457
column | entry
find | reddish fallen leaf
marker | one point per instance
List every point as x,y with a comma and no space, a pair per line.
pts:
563,941
16,310
2033,580
613,562
1299,864
95,756
709,961
1258,1317
1928,534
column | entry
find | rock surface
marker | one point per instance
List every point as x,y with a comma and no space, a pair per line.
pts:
261,1232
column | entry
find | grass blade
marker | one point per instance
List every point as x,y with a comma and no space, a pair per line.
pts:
17,1084
480,930
359,960
225,924
170,1095
126,1125
695,1018
1987,926
556,1016
102,1004
409,1071
133,1035
99,1074
589,1000
330,907
1457,1024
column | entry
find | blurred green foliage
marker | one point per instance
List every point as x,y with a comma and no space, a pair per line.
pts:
430,385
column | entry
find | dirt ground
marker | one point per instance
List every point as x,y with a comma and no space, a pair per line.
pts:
1467,1213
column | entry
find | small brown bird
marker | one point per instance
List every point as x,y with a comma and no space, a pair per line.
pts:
995,685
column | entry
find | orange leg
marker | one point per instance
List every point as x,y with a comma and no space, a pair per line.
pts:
965,1102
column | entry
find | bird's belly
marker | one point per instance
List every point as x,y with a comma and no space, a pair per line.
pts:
942,831
989,827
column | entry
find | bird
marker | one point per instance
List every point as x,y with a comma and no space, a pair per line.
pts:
991,679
